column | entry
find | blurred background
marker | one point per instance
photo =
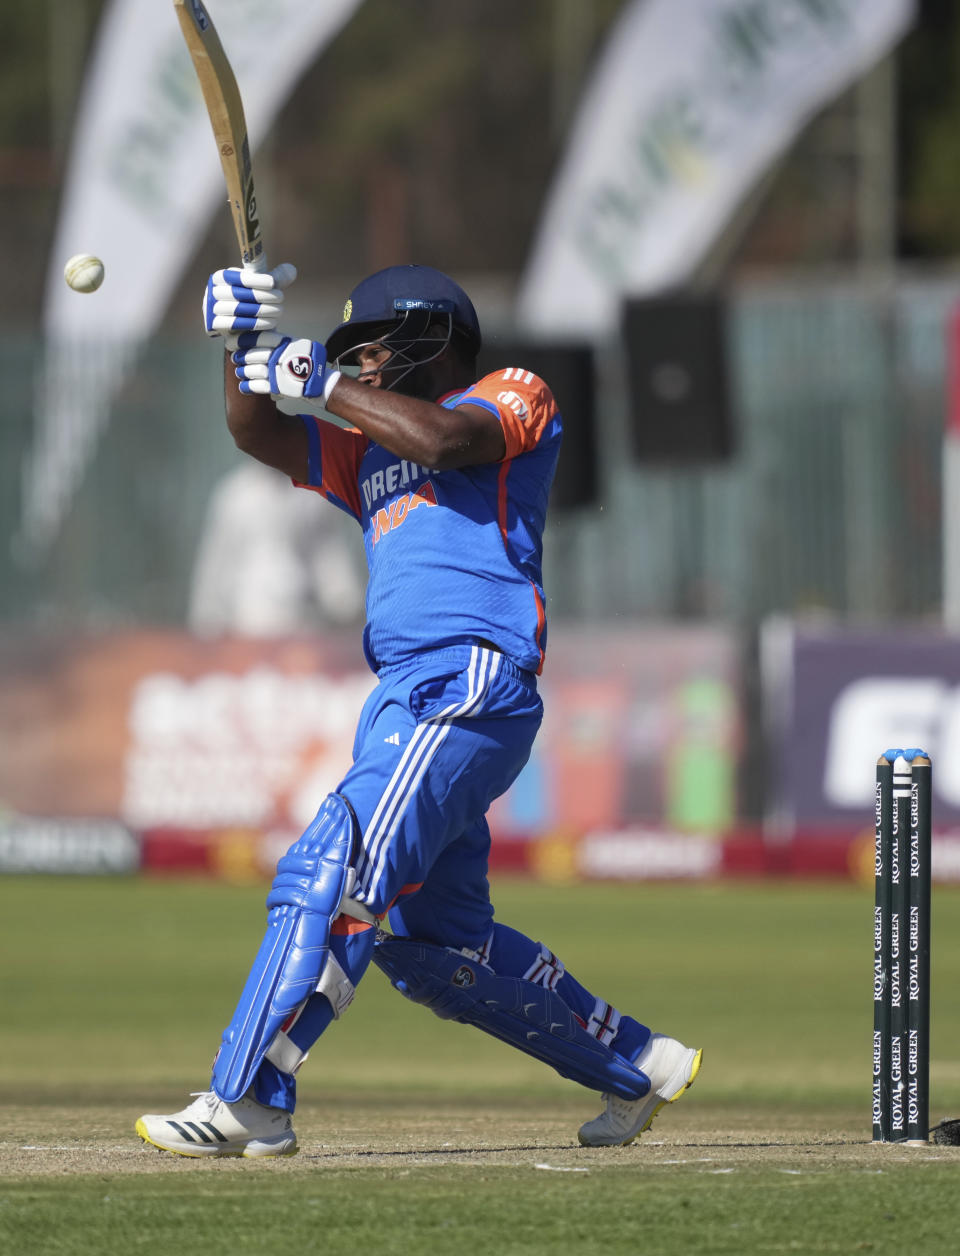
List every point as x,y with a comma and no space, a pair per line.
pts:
727,232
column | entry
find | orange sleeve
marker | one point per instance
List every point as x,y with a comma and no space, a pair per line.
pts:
521,400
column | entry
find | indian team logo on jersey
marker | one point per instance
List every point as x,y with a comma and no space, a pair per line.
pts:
463,977
392,515
515,402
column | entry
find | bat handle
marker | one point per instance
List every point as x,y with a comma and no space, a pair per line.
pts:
258,264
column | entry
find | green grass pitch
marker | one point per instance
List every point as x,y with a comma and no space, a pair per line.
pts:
419,1135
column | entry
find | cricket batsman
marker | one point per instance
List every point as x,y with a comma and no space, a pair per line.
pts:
448,476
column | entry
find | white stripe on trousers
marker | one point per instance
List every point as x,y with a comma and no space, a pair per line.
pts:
424,744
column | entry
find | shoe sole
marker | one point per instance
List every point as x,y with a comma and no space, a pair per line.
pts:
694,1070
214,1153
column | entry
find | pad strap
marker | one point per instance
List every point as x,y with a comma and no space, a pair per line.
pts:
349,905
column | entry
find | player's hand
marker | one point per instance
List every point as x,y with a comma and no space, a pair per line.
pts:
245,300
294,369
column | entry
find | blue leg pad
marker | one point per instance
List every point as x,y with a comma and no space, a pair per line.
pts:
518,1012
294,958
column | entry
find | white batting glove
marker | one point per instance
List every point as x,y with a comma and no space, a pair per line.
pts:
292,369
245,300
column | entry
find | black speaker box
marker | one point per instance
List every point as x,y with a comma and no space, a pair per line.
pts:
677,379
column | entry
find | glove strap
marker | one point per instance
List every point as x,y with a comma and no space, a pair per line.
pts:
329,384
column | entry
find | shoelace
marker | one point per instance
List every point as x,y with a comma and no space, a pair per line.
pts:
210,1097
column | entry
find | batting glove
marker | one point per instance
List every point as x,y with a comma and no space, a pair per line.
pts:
245,300
292,369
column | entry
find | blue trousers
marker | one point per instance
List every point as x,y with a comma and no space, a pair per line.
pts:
438,739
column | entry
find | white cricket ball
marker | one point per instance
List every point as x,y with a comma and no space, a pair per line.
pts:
84,272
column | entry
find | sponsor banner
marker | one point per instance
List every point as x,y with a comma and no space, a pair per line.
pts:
691,102
650,855
55,844
172,735
836,700
647,854
610,855
640,727
241,856
163,729
634,855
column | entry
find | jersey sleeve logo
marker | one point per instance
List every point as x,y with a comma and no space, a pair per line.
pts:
515,402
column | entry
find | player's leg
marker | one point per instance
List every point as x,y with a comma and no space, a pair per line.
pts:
309,954
302,978
436,743
440,743
258,1122
670,1066
510,953
539,1006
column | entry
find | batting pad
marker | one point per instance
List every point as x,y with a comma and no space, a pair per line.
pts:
518,1012
295,953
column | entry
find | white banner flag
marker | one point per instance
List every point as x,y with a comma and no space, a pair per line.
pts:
143,181
691,102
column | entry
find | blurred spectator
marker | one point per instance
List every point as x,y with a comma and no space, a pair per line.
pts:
271,561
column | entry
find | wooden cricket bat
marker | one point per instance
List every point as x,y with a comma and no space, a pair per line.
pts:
225,108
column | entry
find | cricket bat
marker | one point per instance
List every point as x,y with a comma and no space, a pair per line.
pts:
225,109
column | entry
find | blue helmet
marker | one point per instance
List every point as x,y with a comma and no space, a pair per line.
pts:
404,300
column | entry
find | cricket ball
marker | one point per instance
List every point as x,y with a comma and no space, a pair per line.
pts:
83,272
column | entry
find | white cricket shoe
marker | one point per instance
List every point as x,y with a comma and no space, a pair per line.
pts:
211,1127
671,1067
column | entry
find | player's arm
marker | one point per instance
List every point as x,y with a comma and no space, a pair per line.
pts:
263,431
243,307
409,427
419,430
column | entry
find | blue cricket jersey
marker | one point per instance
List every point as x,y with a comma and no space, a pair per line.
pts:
454,556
